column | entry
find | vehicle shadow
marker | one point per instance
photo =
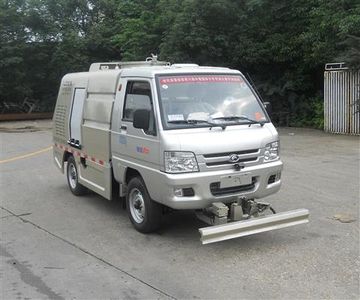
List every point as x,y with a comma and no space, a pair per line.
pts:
181,228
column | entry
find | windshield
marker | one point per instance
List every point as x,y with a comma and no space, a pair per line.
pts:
189,101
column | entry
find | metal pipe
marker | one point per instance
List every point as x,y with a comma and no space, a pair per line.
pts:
233,230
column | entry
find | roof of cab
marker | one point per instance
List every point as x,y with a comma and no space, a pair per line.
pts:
108,76
191,69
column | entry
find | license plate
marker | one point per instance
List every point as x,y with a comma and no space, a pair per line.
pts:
235,180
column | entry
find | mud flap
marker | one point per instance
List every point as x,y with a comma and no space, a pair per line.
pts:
233,230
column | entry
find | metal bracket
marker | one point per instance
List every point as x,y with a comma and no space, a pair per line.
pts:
216,214
74,143
236,212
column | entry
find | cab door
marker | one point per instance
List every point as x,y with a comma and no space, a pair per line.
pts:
133,147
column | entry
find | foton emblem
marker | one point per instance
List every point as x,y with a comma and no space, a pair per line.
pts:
234,158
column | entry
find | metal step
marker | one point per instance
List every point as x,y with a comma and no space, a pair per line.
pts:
233,230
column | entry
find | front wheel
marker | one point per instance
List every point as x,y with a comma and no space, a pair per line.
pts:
144,213
73,178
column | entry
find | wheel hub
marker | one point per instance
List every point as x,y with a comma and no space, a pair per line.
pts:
72,176
137,205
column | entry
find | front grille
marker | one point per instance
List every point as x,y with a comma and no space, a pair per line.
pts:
217,191
226,162
230,153
223,159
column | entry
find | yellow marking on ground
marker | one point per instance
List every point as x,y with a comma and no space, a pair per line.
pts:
25,155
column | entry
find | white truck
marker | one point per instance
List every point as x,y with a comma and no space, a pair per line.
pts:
175,136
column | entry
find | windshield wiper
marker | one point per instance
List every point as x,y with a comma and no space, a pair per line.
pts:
193,121
240,118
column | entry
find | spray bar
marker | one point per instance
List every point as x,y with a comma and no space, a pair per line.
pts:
233,230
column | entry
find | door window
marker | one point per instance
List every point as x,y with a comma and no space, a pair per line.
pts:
138,96
76,115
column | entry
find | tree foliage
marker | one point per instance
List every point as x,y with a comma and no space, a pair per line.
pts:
282,44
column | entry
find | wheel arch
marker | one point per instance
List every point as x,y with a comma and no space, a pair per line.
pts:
147,176
131,173
60,158
66,156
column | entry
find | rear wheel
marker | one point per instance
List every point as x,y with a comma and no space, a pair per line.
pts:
73,178
144,213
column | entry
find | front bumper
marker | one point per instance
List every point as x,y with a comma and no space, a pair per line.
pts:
200,182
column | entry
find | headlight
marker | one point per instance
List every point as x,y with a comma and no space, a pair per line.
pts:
180,162
272,151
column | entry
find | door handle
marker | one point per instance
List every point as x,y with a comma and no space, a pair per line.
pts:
123,127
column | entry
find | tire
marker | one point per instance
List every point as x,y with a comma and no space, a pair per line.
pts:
144,213
72,178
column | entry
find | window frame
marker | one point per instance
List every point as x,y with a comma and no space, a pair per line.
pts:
129,83
163,121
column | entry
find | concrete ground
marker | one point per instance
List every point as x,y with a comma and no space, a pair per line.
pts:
55,245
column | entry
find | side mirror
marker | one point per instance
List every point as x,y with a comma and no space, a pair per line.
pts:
141,119
268,108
